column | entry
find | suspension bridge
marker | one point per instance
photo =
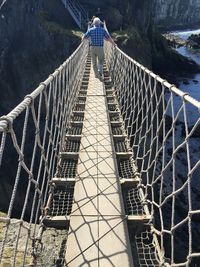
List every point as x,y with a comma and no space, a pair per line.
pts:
101,173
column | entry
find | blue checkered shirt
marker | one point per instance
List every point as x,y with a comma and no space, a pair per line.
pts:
97,35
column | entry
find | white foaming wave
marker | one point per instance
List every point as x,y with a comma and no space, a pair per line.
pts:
186,34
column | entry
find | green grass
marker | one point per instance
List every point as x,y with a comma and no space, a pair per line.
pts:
130,33
135,43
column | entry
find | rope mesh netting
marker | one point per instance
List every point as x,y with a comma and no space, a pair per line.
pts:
31,138
81,101
120,146
67,168
74,130
72,146
82,94
126,168
79,108
61,201
134,205
112,107
163,126
78,117
117,130
145,245
114,117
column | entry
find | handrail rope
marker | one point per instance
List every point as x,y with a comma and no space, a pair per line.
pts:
154,113
161,132
171,87
28,99
47,110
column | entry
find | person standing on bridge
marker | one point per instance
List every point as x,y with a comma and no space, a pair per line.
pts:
97,34
90,23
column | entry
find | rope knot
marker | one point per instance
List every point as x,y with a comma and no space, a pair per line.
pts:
43,84
184,95
52,76
21,158
6,124
163,83
31,99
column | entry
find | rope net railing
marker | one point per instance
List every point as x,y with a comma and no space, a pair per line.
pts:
163,127
31,137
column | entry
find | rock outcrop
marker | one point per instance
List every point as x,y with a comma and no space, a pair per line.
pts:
165,13
170,14
49,252
176,41
194,41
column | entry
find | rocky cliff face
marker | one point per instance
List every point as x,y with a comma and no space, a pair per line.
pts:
165,13
33,42
130,20
120,13
180,13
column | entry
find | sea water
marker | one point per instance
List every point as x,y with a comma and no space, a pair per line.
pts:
191,83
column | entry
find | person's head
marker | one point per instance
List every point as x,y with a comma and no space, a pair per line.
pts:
93,18
96,21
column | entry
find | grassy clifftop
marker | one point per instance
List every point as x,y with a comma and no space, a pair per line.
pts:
135,44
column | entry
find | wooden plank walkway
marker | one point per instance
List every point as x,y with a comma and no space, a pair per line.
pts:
98,235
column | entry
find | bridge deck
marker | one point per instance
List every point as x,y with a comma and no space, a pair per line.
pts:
98,234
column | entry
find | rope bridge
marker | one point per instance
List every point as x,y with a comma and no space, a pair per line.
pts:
155,129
